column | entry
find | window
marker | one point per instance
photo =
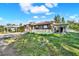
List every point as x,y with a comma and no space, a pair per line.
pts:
45,26
36,27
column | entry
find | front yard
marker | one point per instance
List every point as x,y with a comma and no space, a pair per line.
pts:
31,44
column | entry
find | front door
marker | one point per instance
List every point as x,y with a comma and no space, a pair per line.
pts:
61,29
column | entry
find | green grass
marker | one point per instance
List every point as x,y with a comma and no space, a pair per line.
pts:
32,44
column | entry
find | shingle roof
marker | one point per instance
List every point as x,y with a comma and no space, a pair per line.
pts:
41,23
46,23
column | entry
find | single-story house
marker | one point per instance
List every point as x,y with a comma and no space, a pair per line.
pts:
11,27
46,26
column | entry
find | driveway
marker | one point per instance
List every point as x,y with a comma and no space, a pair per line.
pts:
6,49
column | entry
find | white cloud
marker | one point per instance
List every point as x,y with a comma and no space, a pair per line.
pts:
39,9
55,4
1,18
43,16
39,16
73,16
51,5
28,7
49,13
25,7
35,16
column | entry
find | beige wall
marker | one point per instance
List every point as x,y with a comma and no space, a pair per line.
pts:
41,30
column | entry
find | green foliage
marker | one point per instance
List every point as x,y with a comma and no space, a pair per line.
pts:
21,29
57,19
71,49
63,21
1,28
73,25
32,44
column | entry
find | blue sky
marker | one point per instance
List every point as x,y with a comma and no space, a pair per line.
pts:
34,12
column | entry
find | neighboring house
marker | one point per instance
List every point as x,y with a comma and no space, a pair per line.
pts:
12,27
47,26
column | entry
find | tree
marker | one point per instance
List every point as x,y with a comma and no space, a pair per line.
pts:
57,19
13,24
70,22
8,24
73,25
20,24
63,21
21,29
1,28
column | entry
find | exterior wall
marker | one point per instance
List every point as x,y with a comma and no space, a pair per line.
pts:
41,30
51,28
58,29
27,28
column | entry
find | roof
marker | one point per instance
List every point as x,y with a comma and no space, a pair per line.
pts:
41,23
46,23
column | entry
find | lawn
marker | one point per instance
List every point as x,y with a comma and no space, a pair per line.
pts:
32,44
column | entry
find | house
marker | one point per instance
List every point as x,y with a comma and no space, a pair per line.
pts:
46,26
13,28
